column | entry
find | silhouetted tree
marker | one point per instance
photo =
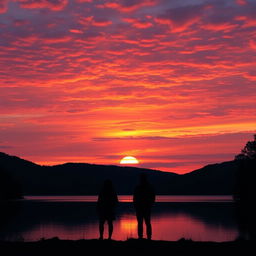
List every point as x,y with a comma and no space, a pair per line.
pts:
249,151
245,190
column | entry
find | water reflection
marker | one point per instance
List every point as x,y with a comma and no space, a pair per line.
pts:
199,221
129,198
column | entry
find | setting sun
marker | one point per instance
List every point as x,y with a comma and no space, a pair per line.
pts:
129,160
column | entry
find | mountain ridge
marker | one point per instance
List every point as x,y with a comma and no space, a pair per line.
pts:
84,178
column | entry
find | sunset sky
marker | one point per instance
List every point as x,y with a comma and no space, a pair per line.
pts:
170,82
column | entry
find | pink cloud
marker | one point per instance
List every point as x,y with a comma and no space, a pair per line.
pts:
241,2
252,44
179,26
101,23
180,19
91,21
138,24
76,31
127,6
3,6
55,5
55,40
20,22
247,21
219,26
84,1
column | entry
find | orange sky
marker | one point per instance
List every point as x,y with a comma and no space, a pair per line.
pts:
169,82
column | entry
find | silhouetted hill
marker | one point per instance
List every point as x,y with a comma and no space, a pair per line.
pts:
77,178
10,188
211,179
81,178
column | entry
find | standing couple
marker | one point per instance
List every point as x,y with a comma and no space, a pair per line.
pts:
143,199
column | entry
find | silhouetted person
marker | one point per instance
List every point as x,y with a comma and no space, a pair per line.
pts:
107,202
143,199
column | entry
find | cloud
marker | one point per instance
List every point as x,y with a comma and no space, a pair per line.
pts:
20,22
138,24
219,26
55,5
4,147
76,31
84,1
241,2
3,6
91,21
133,137
181,18
252,44
127,6
149,78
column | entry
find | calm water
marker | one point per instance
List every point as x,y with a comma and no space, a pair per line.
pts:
200,218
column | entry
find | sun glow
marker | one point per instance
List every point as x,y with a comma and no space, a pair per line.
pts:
129,160
129,225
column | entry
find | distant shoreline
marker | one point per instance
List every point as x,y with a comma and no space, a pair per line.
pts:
128,198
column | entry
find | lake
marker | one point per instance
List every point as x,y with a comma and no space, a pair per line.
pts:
200,218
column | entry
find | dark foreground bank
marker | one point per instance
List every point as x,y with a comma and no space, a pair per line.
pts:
130,247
